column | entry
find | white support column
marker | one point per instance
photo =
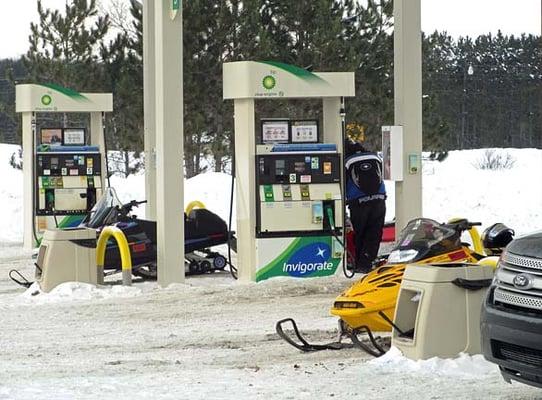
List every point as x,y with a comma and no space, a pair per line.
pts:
28,181
333,134
332,121
149,108
333,126
408,105
245,181
169,142
97,138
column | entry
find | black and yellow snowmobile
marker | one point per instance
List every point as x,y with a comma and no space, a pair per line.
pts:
369,304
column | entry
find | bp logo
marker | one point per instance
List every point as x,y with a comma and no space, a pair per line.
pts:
46,100
308,260
269,82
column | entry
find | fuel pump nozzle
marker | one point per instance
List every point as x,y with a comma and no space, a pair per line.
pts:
330,218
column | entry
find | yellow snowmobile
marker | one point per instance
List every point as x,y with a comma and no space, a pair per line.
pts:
369,304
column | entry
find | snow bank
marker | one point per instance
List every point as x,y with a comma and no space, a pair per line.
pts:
452,188
217,284
11,197
456,188
211,188
78,291
464,366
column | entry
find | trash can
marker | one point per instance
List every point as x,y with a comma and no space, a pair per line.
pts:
66,255
438,309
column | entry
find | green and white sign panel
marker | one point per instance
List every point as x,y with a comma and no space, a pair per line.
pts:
55,98
272,79
300,257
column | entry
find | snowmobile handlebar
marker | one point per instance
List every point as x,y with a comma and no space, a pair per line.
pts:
463,224
133,203
126,208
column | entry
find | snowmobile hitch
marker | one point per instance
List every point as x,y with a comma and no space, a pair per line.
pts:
300,343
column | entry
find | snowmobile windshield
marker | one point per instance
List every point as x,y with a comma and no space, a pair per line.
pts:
101,213
423,238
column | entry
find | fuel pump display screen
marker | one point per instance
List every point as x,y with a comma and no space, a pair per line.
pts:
275,131
305,131
74,137
298,168
51,136
280,166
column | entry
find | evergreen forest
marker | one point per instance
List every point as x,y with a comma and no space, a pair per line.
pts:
477,92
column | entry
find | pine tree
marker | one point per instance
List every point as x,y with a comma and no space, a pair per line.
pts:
122,61
438,58
63,47
205,33
11,71
372,44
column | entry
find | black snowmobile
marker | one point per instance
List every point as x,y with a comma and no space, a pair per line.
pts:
203,229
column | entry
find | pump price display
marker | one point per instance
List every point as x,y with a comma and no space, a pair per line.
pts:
275,132
74,137
304,132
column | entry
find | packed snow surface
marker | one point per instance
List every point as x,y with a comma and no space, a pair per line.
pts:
214,338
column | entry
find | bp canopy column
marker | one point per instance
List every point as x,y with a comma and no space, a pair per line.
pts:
408,107
169,141
261,251
245,188
149,108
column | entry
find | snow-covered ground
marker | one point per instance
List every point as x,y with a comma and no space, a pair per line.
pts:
213,338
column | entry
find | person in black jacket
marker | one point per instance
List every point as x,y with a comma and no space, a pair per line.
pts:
366,199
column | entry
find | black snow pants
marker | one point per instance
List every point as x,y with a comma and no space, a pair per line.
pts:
367,219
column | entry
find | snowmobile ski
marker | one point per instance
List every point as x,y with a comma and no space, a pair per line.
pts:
20,279
299,342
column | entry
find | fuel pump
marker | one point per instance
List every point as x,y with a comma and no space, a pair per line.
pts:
299,204
68,179
64,168
289,173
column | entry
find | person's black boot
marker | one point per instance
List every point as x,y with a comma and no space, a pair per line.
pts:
362,269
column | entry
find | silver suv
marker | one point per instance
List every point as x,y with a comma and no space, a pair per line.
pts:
511,319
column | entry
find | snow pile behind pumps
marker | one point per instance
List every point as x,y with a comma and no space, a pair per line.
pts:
79,291
11,197
219,285
452,188
463,366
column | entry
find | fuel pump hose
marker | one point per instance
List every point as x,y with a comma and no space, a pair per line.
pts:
331,219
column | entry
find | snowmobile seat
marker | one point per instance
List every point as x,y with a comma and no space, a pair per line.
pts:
203,223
